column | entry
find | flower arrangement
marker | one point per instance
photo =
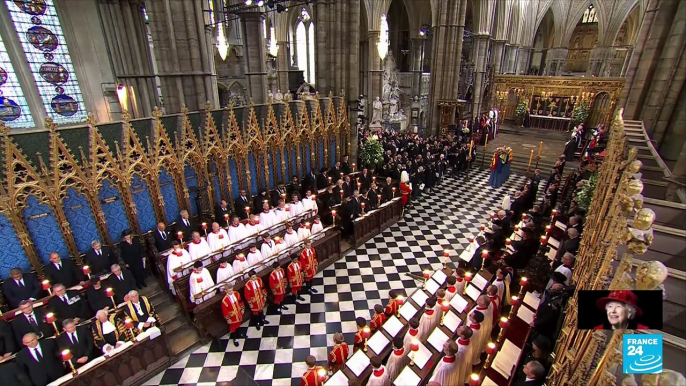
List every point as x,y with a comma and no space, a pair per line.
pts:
585,195
371,154
522,108
580,113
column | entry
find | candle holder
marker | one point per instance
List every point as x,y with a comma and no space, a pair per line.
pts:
514,302
467,278
522,282
362,205
333,215
484,256
50,318
128,323
87,271
247,210
393,189
46,286
504,323
204,227
109,292
66,357
446,255
414,346
490,351
426,276
445,307
179,235
474,379
226,218
401,300
353,168
321,373
366,333
329,180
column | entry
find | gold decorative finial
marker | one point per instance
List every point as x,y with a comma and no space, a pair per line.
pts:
156,112
184,109
50,124
91,120
4,129
251,102
330,94
208,106
125,116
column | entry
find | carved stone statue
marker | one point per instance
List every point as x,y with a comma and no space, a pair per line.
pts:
278,97
377,107
393,108
270,97
287,97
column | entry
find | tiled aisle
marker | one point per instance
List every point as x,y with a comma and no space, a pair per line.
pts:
347,289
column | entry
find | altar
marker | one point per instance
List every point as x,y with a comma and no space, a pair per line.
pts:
549,122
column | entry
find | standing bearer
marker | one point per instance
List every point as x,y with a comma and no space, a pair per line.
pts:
295,277
256,296
277,282
308,259
233,309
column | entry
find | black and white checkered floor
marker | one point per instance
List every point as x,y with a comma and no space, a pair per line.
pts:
348,289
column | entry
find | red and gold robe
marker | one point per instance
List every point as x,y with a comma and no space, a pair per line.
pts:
310,378
233,309
256,295
338,356
277,282
359,340
377,321
295,276
392,308
308,259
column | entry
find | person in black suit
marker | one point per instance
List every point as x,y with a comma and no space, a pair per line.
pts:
535,374
323,179
293,187
100,258
347,187
63,271
373,197
524,250
365,179
335,171
387,190
21,286
78,340
186,225
571,245
310,181
220,213
122,282
8,344
261,197
240,203
13,374
162,237
505,222
345,167
356,204
68,304
132,253
31,320
40,360
278,194
95,293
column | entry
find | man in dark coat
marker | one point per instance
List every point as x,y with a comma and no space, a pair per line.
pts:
122,282
387,191
278,194
68,304
525,249
13,374
21,286
310,181
95,293
132,254
78,340
162,237
570,245
186,225
100,258
31,320
345,167
323,179
240,203
40,360
8,345
63,271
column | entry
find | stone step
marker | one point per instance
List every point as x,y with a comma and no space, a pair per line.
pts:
183,340
667,213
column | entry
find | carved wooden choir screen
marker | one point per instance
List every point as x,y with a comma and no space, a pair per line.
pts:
63,188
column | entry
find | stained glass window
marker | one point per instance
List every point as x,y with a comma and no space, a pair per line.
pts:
40,34
590,15
14,111
304,46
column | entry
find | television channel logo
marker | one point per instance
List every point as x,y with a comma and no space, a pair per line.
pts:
642,353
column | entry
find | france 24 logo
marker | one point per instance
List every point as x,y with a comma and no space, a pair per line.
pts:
642,353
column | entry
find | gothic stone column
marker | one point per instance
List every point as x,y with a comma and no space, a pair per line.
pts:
375,72
555,61
446,56
417,44
510,63
480,59
255,55
498,55
523,60
282,65
184,55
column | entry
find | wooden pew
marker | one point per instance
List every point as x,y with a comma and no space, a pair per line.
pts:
367,226
208,316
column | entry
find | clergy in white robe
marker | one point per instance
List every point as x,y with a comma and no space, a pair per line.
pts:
269,247
224,272
492,292
450,290
502,281
281,213
175,260
253,227
290,237
460,284
317,225
464,353
267,217
198,247
483,305
236,230
296,207
218,238
304,230
429,319
412,333
447,370
254,255
200,282
398,358
476,319
379,375
310,203
240,264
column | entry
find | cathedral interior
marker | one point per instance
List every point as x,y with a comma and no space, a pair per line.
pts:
120,115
